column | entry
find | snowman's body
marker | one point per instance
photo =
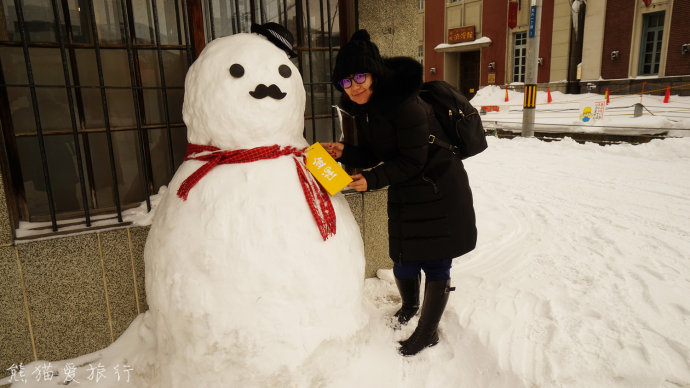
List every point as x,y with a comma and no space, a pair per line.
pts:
239,281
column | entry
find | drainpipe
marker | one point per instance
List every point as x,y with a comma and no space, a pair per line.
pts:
577,30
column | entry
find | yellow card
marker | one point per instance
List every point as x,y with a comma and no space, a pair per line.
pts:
326,170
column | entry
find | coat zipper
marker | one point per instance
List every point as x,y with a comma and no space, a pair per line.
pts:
433,184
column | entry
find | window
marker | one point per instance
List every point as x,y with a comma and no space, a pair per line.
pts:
420,54
519,56
91,106
652,38
91,95
420,5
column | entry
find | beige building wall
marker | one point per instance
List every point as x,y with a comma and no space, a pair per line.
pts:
593,39
460,14
451,64
560,42
523,16
465,13
454,15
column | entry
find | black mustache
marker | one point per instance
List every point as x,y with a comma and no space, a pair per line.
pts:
262,91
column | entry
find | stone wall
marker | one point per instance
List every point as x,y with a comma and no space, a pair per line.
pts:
68,296
392,25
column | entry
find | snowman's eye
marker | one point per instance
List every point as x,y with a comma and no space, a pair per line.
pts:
285,71
236,70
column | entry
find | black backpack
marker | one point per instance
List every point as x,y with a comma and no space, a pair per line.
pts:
459,119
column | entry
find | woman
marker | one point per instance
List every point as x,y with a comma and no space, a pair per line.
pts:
430,213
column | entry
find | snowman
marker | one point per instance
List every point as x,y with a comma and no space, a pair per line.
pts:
250,266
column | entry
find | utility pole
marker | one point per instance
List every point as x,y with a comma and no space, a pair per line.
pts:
531,69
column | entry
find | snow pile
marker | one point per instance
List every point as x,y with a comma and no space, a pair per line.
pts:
567,113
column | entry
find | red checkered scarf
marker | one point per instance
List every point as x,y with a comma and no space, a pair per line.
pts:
317,198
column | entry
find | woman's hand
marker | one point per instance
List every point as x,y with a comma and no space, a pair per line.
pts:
334,149
359,183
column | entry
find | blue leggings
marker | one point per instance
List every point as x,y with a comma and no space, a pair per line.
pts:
434,270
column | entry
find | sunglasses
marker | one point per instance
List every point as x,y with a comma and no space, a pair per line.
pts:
359,78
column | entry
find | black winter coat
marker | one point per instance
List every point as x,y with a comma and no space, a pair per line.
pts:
430,211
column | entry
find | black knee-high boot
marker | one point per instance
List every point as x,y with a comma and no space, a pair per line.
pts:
426,333
409,293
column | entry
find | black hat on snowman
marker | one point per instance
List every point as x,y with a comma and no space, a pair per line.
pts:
359,55
278,35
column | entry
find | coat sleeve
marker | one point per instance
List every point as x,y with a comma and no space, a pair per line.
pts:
358,157
412,133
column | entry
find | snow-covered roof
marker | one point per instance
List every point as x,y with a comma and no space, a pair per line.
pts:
484,41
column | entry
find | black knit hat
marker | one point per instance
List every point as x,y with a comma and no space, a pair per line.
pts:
278,35
359,55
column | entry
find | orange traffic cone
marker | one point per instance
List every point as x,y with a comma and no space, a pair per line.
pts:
548,95
607,96
668,94
506,99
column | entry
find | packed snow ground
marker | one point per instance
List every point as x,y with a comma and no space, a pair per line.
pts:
581,278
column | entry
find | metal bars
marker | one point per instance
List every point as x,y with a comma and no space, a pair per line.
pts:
285,14
322,65
238,25
188,38
161,69
210,19
23,31
73,119
311,69
106,117
127,19
330,64
86,166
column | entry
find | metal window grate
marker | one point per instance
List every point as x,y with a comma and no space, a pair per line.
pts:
91,95
88,114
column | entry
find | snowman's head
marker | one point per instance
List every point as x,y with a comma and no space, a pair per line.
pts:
244,92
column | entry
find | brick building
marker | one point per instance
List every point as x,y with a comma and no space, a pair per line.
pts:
584,45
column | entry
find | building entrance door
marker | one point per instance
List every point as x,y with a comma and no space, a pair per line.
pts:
469,73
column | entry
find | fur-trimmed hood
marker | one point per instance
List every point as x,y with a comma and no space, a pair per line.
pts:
401,79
